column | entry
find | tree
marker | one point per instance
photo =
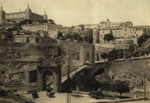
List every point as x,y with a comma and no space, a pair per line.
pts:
104,55
75,36
121,87
59,35
108,37
68,35
105,86
18,25
80,38
113,55
142,39
51,21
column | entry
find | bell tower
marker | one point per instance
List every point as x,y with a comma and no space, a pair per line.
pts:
45,16
28,13
2,16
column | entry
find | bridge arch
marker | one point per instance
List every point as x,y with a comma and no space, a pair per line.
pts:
98,71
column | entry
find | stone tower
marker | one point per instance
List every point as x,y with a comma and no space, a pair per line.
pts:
2,16
45,16
28,13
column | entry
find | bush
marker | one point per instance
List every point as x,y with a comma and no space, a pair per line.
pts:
121,87
104,55
105,86
142,39
113,55
59,35
92,84
68,35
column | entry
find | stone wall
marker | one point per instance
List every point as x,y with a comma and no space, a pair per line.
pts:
20,72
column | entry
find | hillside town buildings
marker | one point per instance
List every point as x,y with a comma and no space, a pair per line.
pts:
120,30
117,29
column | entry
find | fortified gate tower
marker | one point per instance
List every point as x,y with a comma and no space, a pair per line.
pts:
87,54
49,68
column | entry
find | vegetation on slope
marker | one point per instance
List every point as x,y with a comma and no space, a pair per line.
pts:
130,71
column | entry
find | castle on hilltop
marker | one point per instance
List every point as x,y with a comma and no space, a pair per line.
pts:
16,17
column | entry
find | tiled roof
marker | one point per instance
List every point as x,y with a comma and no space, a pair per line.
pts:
14,13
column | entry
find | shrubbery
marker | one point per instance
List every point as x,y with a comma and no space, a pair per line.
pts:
141,40
121,87
78,37
104,55
117,86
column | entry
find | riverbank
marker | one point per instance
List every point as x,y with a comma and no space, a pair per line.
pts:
78,98
21,96
12,96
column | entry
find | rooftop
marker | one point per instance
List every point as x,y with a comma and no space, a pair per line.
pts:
15,13
139,26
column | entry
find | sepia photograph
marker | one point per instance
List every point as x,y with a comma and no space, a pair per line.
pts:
74,51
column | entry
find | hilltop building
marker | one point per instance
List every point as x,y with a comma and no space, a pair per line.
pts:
16,17
40,22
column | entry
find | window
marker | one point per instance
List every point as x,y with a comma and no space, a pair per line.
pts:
136,34
124,34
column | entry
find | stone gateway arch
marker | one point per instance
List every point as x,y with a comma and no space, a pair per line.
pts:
49,66
41,77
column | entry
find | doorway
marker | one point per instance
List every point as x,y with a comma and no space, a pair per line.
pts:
48,79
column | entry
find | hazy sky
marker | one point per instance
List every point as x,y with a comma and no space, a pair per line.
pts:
75,12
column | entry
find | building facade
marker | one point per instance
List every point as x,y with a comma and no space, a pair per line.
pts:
52,29
117,29
10,18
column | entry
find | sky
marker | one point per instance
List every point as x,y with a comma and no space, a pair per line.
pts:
76,12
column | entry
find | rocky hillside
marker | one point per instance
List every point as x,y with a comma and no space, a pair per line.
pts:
27,52
131,71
